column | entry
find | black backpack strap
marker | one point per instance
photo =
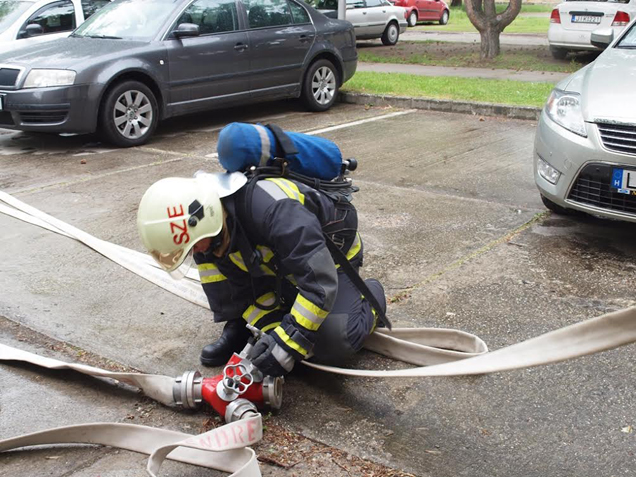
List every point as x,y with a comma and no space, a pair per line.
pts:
285,145
341,260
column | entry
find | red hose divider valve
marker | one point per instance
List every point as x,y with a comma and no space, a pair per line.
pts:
239,391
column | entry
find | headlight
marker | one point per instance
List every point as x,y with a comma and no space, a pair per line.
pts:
564,108
46,78
546,171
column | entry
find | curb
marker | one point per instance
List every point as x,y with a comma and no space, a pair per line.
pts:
443,105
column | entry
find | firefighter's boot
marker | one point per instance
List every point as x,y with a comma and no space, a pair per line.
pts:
232,340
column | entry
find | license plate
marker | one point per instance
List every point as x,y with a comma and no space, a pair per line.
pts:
624,181
586,19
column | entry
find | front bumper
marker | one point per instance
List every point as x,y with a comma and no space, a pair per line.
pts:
577,157
60,109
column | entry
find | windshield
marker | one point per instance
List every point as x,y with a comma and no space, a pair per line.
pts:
629,40
128,19
10,11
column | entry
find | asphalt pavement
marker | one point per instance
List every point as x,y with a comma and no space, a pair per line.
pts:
452,225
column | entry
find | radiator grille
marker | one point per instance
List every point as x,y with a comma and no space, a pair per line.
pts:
592,187
618,137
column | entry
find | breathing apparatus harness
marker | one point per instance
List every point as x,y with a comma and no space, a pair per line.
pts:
340,190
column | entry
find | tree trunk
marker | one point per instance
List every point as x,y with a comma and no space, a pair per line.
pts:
483,15
490,43
456,3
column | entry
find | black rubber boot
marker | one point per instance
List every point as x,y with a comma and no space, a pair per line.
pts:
233,339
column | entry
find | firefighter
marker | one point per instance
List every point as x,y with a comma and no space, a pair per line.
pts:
262,259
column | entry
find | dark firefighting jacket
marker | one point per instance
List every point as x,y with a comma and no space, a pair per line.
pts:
284,221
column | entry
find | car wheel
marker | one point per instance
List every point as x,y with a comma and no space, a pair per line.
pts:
412,19
320,88
558,53
129,114
444,19
391,34
557,209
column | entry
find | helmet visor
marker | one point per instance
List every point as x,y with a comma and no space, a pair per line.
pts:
169,261
182,270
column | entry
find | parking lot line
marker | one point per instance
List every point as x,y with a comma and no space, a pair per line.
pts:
358,122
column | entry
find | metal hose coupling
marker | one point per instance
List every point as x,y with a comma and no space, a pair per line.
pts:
239,409
186,390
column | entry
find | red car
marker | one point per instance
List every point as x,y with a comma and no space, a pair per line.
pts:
424,11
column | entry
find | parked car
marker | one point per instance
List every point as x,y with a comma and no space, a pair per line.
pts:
425,11
572,22
138,61
585,146
371,18
24,22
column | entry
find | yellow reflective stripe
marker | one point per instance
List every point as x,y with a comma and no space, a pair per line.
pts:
316,310
270,327
253,313
355,247
237,259
289,188
266,252
292,280
289,342
209,273
268,270
304,322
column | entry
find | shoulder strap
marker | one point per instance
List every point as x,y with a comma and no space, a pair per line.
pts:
341,260
284,143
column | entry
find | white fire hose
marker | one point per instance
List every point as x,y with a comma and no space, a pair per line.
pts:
438,352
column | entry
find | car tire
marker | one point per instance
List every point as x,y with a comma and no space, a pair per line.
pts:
391,34
129,114
558,53
444,18
320,88
557,209
412,18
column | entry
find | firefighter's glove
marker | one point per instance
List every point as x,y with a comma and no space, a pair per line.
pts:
270,358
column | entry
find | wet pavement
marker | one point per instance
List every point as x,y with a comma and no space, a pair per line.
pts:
453,226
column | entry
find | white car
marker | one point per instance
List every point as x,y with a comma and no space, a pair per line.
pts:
572,23
370,18
24,22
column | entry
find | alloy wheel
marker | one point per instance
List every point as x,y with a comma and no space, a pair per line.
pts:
392,33
323,85
133,114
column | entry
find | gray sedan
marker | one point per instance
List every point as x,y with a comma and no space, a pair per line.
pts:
585,146
138,61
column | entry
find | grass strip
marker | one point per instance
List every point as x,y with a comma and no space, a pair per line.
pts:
459,22
518,93
513,60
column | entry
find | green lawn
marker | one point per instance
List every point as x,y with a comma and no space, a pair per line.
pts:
403,53
468,89
459,22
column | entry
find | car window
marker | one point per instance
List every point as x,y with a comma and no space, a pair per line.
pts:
374,3
299,14
129,19
212,16
54,18
354,4
629,40
267,13
91,6
10,11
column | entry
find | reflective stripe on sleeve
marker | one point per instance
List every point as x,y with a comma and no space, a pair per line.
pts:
289,188
355,247
307,314
237,259
289,342
253,314
210,273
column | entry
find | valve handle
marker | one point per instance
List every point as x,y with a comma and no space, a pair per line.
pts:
236,378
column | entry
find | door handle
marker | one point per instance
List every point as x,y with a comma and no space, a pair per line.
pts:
240,47
364,13
306,38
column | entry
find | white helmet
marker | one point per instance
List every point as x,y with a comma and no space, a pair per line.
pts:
175,213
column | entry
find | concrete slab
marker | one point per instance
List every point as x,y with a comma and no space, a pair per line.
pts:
443,199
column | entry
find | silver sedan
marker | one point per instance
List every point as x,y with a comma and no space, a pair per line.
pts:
585,146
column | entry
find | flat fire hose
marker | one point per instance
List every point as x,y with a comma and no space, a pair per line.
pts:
442,352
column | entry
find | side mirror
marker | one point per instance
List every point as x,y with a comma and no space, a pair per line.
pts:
185,30
31,30
602,38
